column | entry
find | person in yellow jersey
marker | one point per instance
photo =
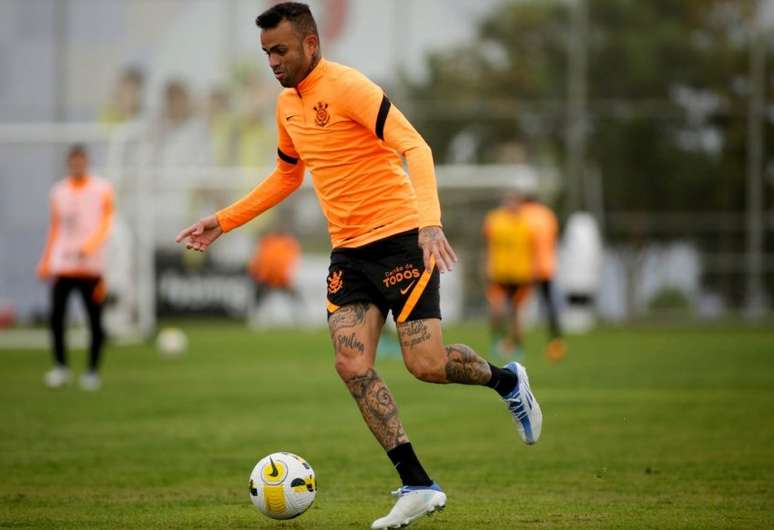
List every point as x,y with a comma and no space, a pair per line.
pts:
544,229
509,271
388,243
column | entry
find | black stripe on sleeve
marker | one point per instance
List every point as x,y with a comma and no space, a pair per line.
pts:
287,158
384,108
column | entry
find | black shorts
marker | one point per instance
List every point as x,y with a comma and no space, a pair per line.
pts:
512,294
388,273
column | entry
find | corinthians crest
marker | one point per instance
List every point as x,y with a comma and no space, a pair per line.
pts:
321,117
335,282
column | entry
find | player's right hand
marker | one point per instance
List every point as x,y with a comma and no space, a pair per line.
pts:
434,245
201,234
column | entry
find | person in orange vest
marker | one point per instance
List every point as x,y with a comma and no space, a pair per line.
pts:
74,259
544,229
509,272
274,265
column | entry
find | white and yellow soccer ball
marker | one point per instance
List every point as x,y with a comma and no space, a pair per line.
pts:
283,485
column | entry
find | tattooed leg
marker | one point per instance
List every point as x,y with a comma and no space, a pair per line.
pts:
355,331
429,360
465,366
378,408
349,316
422,347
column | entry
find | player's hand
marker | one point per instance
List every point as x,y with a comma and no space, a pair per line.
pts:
201,234
434,244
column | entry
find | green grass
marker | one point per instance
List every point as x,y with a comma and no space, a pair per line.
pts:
643,429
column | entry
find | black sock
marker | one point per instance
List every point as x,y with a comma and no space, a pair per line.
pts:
406,463
503,381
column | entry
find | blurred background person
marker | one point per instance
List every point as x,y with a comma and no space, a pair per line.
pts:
544,229
180,137
73,259
126,100
273,268
221,123
179,146
509,270
255,129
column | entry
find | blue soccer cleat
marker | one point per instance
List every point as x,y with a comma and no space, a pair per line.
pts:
523,406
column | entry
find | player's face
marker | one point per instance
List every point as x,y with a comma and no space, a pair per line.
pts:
290,56
78,164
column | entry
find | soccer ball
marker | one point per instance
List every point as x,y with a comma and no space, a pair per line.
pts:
171,342
283,485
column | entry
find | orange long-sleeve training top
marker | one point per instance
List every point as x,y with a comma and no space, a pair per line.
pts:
343,127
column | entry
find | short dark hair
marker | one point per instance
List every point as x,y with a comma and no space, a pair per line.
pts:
77,150
298,14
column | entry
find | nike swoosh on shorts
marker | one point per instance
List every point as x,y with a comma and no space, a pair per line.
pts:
404,291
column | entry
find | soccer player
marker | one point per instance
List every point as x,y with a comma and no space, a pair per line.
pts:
388,245
544,228
273,267
509,269
81,215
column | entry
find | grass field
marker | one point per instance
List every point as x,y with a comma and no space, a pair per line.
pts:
642,429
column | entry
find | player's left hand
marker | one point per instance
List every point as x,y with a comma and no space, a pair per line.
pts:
433,243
